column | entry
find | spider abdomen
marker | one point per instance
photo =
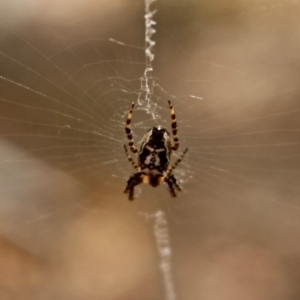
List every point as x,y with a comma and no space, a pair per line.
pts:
154,152
153,160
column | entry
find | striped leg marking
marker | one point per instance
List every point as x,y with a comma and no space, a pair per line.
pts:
130,159
178,161
128,131
174,127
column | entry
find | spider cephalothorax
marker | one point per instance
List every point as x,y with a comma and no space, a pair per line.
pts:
154,156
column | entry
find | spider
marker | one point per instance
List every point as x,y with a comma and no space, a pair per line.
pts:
154,155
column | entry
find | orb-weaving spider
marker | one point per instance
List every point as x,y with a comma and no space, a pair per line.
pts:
154,156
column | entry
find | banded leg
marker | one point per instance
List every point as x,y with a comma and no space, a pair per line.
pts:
174,181
133,180
128,130
174,127
178,161
130,159
170,184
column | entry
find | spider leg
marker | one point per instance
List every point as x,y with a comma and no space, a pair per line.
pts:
130,159
171,187
174,127
178,161
174,181
128,130
133,180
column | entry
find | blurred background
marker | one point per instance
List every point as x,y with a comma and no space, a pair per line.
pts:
69,71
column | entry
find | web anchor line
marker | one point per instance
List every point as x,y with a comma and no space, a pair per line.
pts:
161,232
163,244
147,82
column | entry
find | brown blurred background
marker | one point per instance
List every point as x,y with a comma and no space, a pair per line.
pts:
68,73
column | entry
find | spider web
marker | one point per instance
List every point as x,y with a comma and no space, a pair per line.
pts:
68,77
